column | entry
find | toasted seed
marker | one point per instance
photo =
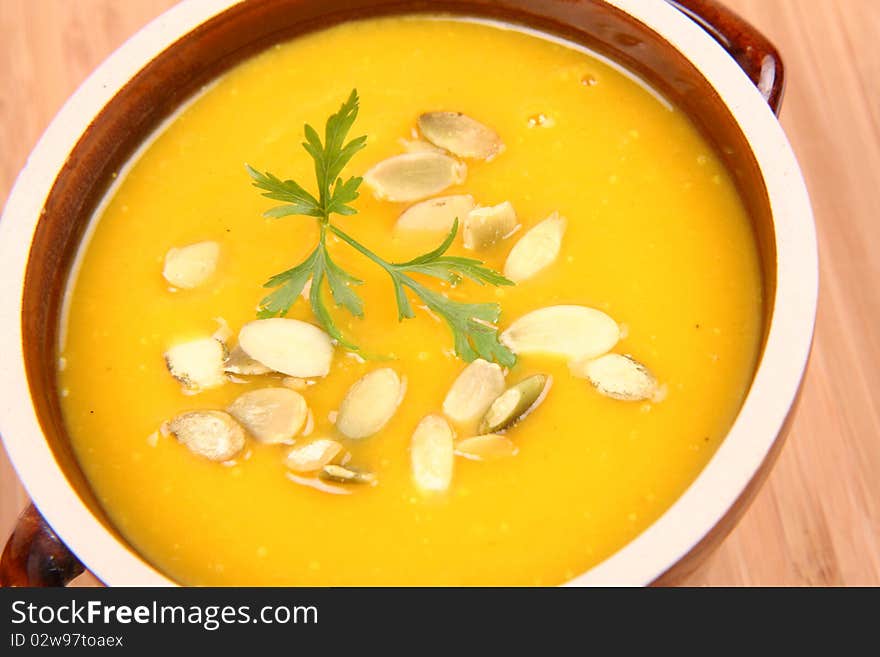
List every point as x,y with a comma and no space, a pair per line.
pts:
370,402
295,383
515,403
197,364
414,176
488,447
214,435
478,385
460,134
346,475
419,146
314,456
271,415
437,214
568,331
432,454
288,346
618,377
309,425
486,226
535,250
189,266
238,362
317,484
223,332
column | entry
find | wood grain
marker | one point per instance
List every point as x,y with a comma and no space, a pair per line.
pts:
817,521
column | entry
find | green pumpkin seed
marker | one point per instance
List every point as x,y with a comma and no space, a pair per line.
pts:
515,403
346,475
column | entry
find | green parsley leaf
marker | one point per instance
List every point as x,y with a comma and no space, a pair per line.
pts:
298,200
289,286
452,268
472,324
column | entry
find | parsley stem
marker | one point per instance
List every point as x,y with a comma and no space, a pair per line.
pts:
472,324
358,246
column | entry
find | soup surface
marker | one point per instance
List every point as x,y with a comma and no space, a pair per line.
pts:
656,237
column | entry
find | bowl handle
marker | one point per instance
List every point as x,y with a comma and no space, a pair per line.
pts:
749,48
35,556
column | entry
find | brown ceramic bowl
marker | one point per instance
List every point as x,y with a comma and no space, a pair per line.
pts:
715,67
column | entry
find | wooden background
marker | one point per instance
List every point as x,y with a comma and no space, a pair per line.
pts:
817,521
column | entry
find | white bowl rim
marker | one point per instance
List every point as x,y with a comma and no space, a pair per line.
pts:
703,504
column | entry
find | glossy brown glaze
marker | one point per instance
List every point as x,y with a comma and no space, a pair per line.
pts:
749,48
35,556
160,87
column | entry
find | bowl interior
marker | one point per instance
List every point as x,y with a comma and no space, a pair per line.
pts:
194,60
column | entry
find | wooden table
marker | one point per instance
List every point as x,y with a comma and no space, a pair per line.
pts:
817,520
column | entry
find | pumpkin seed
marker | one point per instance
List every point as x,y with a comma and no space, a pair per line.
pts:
317,484
535,250
223,332
238,362
288,346
295,383
515,403
370,402
486,226
346,475
569,331
460,134
198,364
488,447
419,145
309,425
437,214
214,435
618,377
414,176
187,267
432,454
478,385
271,415
314,456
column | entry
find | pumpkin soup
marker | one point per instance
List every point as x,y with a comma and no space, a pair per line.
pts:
487,326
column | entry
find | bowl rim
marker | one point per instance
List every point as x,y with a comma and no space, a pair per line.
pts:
669,538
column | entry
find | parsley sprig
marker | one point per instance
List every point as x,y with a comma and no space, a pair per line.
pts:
472,324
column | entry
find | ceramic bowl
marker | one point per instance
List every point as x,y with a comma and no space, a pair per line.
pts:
721,72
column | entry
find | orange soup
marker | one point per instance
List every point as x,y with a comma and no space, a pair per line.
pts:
332,440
